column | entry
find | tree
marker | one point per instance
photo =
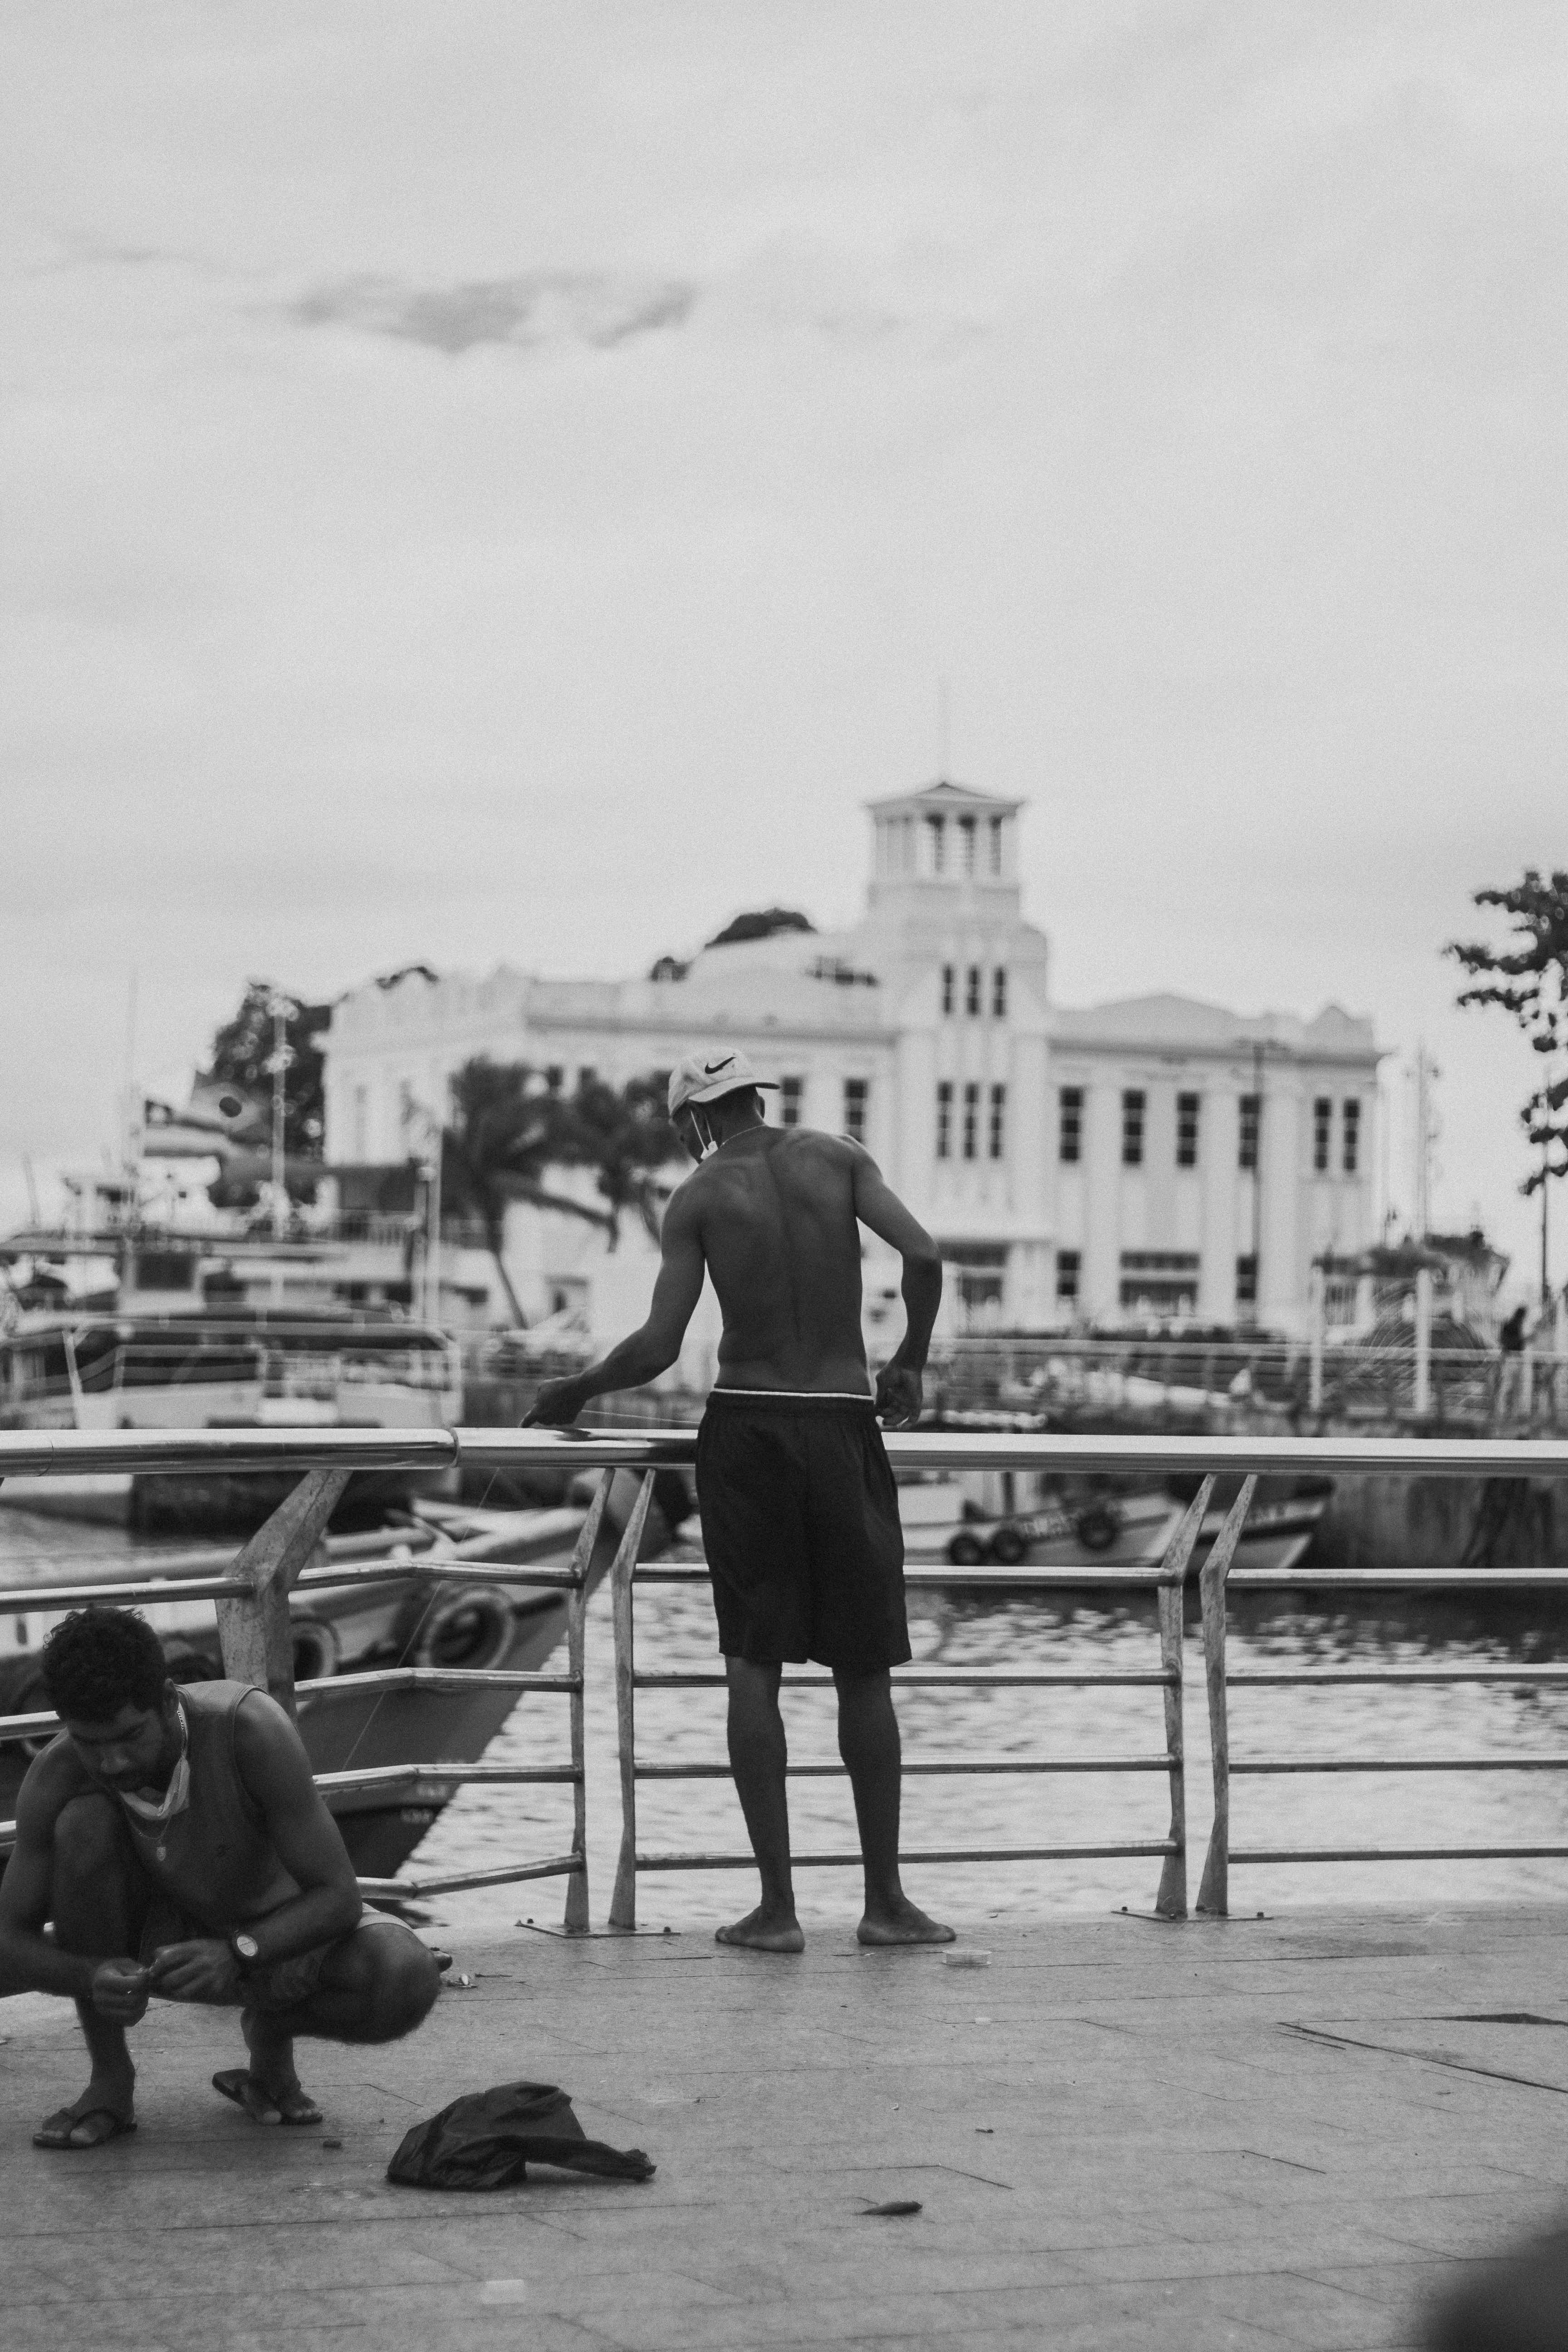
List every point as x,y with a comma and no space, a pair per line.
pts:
242,1058
507,1130
1528,979
623,1135
763,923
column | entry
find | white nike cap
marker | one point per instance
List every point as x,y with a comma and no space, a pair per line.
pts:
703,1078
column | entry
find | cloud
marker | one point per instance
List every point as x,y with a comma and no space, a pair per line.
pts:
528,311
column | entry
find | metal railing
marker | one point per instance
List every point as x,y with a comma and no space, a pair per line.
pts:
1217,1580
1164,1580
252,1598
255,1644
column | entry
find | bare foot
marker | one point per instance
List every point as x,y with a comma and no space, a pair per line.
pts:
762,1930
903,1922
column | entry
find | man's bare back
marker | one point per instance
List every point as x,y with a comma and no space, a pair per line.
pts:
773,1213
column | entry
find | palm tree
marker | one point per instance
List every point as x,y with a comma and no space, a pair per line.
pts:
507,1129
622,1133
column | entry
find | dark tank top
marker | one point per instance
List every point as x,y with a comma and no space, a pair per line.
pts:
215,1859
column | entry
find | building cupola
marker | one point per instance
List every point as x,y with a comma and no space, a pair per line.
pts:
944,841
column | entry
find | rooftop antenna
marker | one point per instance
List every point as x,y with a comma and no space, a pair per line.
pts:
943,729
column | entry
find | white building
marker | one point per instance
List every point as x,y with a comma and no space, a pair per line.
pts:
1095,1166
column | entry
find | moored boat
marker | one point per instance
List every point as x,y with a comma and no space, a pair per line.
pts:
238,1368
344,1630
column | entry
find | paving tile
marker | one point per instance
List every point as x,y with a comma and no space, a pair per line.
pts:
1180,2169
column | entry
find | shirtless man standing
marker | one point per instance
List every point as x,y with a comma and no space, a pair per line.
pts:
177,1842
800,1515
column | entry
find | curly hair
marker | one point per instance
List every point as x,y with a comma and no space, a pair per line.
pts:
98,1660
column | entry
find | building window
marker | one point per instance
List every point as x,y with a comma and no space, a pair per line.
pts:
1160,1282
972,991
587,1076
1322,1127
1132,1128
1247,1281
1349,1154
855,1091
1068,1263
361,1123
949,987
996,847
1069,1147
1187,1130
970,1119
945,1118
966,842
999,992
1246,1155
555,1079
996,1138
790,1093
936,834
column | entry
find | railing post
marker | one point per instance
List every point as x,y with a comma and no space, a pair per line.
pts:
1214,1891
1171,1902
624,1903
1320,1284
255,1635
576,1919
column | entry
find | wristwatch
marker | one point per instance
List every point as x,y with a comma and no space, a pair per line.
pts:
246,1949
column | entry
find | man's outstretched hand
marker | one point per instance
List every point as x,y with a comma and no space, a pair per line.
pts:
898,1394
557,1404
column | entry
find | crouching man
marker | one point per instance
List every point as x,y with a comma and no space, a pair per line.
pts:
176,1839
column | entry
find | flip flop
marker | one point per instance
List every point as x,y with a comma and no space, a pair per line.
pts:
235,2081
54,2131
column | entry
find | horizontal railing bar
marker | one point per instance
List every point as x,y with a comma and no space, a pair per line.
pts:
433,1572
1397,1764
1260,1677
454,1680
53,1452
915,1856
981,1764
23,1598
1398,1854
448,1776
565,1865
65,1452
935,1678
1396,1579
1110,1579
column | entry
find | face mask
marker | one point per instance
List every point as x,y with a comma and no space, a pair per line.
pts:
158,1811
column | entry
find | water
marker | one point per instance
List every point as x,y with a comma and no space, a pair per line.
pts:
484,1827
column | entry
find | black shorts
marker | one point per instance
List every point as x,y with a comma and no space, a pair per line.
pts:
800,1524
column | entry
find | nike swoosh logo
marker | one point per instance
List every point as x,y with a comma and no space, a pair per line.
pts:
712,1069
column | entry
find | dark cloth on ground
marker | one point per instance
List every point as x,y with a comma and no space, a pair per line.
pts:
801,1527
486,2139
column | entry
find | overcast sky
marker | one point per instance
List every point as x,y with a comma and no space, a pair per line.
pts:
504,481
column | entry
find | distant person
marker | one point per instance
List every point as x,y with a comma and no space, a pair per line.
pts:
800,1514
1511,1373
176,1840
